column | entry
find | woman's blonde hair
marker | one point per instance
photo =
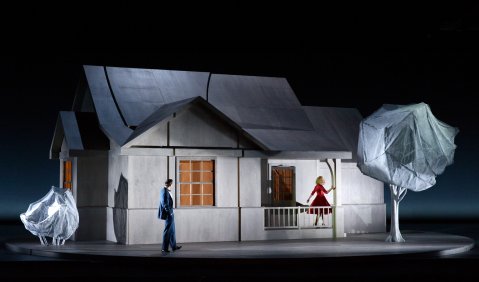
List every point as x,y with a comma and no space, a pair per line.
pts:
320,180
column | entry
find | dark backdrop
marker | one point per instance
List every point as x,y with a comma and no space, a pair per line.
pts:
341,56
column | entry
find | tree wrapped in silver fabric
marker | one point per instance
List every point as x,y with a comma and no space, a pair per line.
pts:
55,215
407,147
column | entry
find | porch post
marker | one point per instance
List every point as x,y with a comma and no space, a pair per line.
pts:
338,201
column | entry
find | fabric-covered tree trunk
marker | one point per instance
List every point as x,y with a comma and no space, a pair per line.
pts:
397,194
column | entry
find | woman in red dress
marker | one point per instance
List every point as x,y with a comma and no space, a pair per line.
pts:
320,200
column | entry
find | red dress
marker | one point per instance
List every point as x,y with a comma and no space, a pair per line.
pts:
320,201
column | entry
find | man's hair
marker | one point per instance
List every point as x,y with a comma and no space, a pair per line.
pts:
168,181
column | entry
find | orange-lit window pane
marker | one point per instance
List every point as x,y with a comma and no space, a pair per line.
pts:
207,188
207,200
185,189
208,165
195,188
207,176
195,165
185,176
196,200
185,165
185,200
196,176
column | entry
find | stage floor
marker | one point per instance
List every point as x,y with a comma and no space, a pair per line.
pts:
360,245
423,257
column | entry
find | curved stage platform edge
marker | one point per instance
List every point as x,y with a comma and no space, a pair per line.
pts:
418,244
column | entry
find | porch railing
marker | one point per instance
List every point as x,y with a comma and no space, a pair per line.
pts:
298,217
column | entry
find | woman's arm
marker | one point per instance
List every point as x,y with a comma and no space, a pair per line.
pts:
332,187
309,198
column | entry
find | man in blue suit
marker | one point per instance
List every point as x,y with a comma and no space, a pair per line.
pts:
166,213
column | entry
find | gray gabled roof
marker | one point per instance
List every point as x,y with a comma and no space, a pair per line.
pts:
256,102
140,92
80,132
130,101
339,124
295,140
109,117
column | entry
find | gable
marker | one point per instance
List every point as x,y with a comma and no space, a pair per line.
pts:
198,127
192,123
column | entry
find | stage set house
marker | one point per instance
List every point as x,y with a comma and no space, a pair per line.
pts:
243,152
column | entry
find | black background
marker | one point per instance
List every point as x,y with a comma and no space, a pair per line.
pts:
362,56
346,55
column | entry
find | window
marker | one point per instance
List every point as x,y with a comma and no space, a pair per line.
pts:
67,174
196,182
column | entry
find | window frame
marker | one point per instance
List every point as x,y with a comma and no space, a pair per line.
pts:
178,182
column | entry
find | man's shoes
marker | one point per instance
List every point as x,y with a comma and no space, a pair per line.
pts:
177,248
164,252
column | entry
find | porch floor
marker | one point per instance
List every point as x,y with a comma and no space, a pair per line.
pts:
360,245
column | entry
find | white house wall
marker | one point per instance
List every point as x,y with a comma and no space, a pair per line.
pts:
361,189
89,189
146,176
91,194
198,127
363,202
250,182
144,227
92,181
206,224
226,188
117,212
117,166
157,136
365,218
195,224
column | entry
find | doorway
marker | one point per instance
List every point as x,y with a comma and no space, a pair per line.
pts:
283,186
